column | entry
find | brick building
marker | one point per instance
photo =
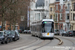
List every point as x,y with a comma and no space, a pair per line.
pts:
59,15
6,26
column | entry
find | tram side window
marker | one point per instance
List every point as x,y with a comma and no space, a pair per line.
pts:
40,28
37,28
34,28
43,30
31,28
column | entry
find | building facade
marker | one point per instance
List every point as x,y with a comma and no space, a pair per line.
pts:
7,26
39,10
60,15
67,14
72,15
52,11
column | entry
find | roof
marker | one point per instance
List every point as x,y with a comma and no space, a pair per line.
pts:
40,3
48,20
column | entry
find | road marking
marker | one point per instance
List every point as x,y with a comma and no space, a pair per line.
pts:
50,48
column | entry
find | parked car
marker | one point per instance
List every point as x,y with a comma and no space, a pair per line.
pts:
14,36
17,34
62,32
28,31
56,32
70,33
25,31
8,32
20,30
3,37
73,32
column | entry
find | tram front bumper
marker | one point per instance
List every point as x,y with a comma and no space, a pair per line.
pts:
48,35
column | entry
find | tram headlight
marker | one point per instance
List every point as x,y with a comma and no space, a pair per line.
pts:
43,33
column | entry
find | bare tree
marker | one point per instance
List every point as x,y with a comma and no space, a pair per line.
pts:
11,10
23,5
4,6
8,10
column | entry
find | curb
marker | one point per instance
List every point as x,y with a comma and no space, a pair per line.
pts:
60,41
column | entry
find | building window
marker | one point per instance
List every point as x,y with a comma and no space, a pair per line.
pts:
50,16
60,16
74,6
67,16
59,7
73,16
56,7
46,3
37,16
63,0
67,24
57,0
68,6
56,17
51,9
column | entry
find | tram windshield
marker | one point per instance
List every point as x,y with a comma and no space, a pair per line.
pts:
47,27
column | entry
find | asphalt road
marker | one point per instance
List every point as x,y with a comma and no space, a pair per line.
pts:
27,42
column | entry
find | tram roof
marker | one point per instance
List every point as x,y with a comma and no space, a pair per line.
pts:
43,20
47,20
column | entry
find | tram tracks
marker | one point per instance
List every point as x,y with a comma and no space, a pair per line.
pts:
36,39
43,45
35,44
73,44
38,45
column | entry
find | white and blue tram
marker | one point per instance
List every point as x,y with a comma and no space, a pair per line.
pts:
43,28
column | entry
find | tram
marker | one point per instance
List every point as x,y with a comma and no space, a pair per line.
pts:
43,28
